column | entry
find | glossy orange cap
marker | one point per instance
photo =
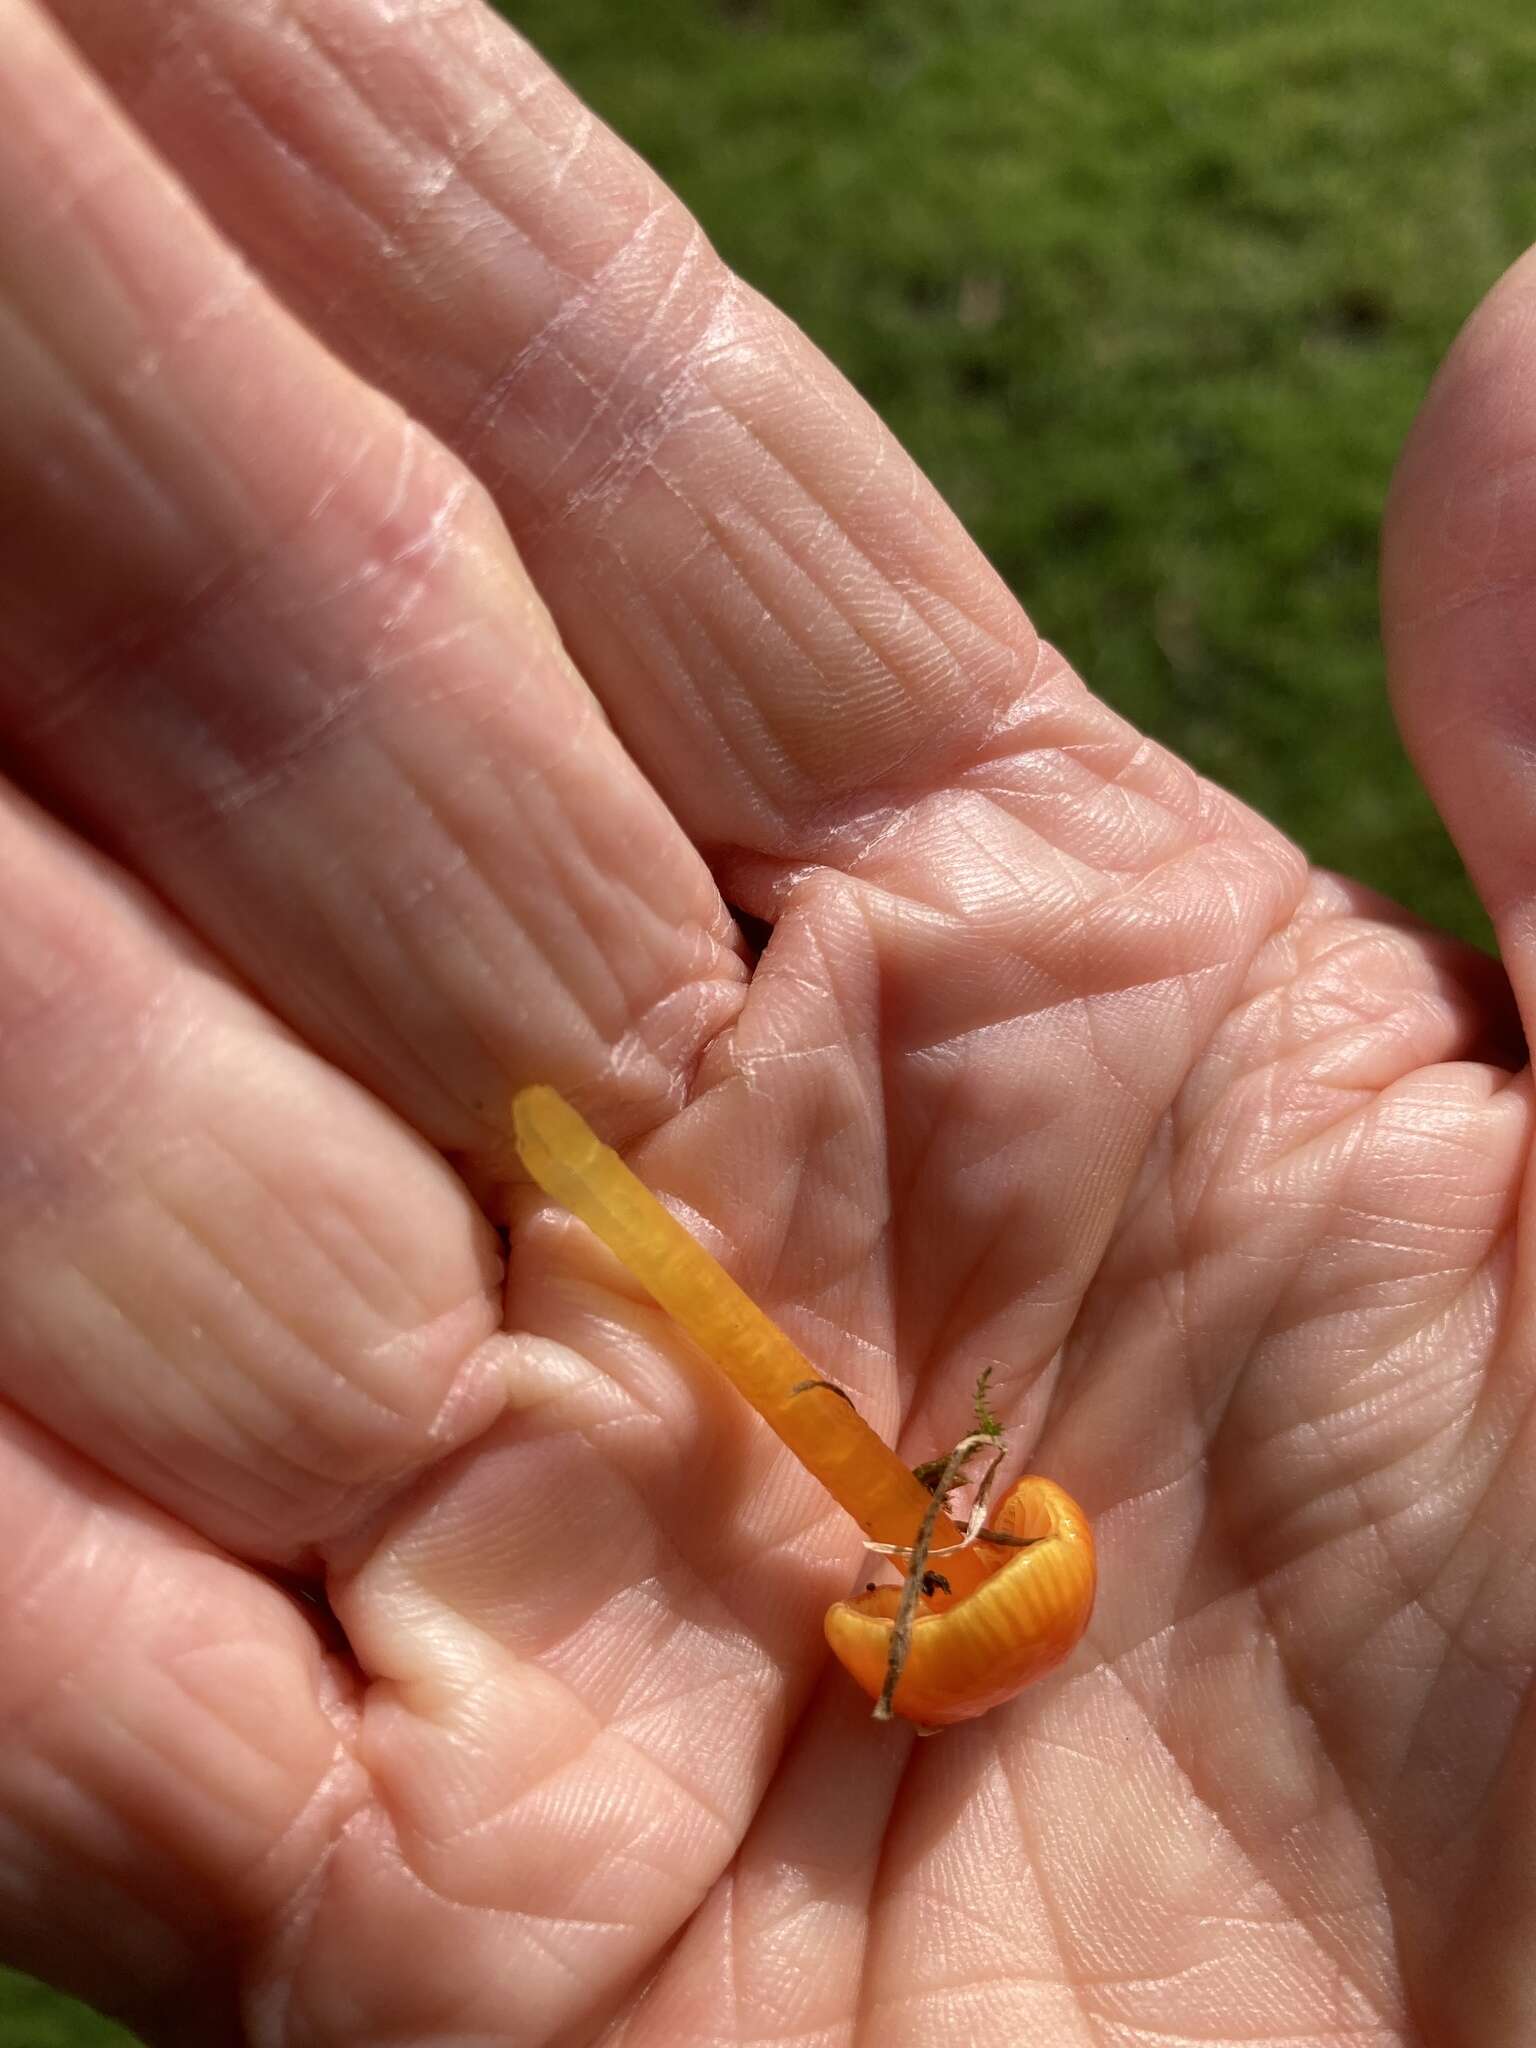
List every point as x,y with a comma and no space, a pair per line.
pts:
971,1653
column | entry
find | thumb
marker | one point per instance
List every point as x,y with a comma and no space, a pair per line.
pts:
1459,608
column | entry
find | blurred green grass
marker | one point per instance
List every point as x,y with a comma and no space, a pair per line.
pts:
31,2017
1152,288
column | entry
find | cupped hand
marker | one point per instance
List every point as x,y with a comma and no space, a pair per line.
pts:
441,609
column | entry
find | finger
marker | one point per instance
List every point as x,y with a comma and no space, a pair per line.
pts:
789,629
226,1274
1459,608
172,1766
264,638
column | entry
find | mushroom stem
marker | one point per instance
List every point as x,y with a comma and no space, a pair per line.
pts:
830,1438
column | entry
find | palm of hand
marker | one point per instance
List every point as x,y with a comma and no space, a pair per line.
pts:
1058,1063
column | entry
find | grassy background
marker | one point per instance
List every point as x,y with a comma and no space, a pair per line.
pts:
1152,288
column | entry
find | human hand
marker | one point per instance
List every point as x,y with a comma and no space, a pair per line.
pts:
317,843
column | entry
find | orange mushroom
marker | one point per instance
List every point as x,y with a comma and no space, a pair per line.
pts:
1002,1604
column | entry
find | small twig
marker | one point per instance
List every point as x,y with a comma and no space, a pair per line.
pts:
906,1610
922,1549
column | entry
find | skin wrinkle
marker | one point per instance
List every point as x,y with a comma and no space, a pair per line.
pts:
270,2000
1375,1473
1062,811
1097,898
229,580
158,1463
340,1002
756,735
51,1803
1340,1955
746,2010
1470,1613
481,425
803,646
457,173
167,1763
865,2005
430,533
341,1382
1298,1693
335,55
144,1441
286,1496
278,1438
718,958
434,185
906,677
1039,1868
1281,1326
306,38
1232,1379
637,447
70,182
1457,1654
338,1790
539,779
683,1061
1021,633
938,918
529,1922
719,523
235,775
237,104
378,1303
1304,1693
1000,701
447,2006
40,373
204,601
600,1734
1283,1165
889,652
1282,1000
1009,1385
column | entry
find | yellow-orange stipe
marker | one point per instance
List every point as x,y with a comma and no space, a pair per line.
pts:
828,1435
1009,1614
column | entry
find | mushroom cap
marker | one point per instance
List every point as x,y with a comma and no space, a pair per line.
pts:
973,1652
